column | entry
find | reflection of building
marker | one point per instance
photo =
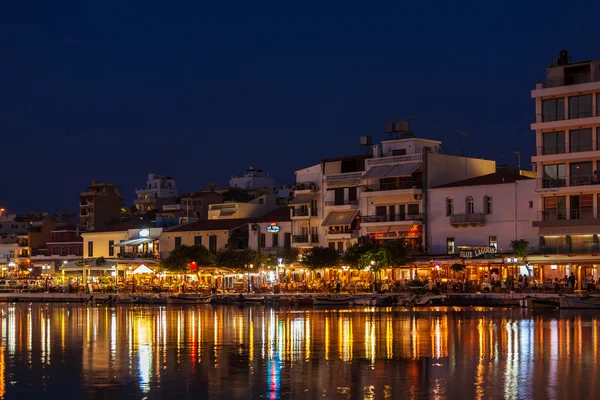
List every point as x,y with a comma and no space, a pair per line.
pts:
272,232
379,195
99,205
159,190
486,211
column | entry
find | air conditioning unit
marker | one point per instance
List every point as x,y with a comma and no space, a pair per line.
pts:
418,196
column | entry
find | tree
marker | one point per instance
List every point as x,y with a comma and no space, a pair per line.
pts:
321,257
288,256
375,259
396,252
100,261
352,256
180,258
457,267
235,259
520,247
80,263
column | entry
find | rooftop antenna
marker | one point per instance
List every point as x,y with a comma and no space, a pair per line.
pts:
462,141
518,153
501,156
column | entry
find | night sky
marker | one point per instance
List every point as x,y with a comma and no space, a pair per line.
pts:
113,91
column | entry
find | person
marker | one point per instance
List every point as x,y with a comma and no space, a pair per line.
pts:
338,285
571,283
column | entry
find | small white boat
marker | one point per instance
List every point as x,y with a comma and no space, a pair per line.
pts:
332,300
582,302
190,299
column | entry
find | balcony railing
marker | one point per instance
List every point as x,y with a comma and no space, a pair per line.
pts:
304,212
407,184
579,248
342,230
568,80
391,218
575,114
299,238
347,176
314,238
563,214
341,203
306,186
474,218
392,160
575,180
563,149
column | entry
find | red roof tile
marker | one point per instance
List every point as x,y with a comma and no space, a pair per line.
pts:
497,178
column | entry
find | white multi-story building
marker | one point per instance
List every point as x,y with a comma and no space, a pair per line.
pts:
159,190
567,131
482,214
381,195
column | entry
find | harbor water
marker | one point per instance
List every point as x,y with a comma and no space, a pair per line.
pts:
79,351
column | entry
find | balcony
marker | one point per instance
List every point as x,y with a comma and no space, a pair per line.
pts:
299,238
304,212
574,217
403,185
344,233
333,203
145,201
347,176
392,160
569,80
580,248
473,219
575,180
86,204
310,186
374,219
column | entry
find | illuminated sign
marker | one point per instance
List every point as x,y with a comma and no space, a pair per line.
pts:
144,233
485,251
273,228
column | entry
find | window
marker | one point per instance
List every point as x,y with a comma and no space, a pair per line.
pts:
275,240
553,110
287,240
531,204
212,243
580,106
449,207
111,249
598,104
338,196
197,240
487,204
493,241
469,205
413,209
582,207
580,140
581,174
262,241
598,137
340,246
399,152
332,245
555,208
553,142
352,194
90,249
177,241
261,201
554,176
450,245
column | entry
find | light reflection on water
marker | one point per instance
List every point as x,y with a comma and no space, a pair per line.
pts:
77,351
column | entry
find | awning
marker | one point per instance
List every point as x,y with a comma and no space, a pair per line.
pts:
227,212
335,218
142,269
70,267
378,172
93,266
134,242
303,199
402,170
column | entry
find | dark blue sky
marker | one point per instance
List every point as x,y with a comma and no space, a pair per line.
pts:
200,90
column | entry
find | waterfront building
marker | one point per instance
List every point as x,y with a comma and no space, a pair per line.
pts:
482,215
63,247
252,179
158,191
272,232
125,247
567,128
11,227
34,243
214,234
381,195
99,206
7,257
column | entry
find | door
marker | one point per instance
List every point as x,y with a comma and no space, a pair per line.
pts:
402,212
339,196
392,213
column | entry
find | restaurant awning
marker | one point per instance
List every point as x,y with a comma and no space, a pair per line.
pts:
402,170
134,242
335,218
142,269
70,267
303,198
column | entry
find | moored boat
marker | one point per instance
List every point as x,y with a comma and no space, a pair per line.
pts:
582,302
250,299
149,299
303,300
332,300
190,299
538,303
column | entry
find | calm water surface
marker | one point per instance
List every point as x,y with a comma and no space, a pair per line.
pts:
223,352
